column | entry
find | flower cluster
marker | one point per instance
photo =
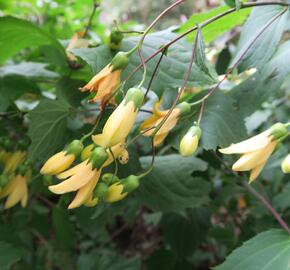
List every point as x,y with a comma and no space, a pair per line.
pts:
16,173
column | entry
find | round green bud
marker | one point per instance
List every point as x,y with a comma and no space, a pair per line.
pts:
136,95
130,183
120,61
110,178
278,131
98,157
101,190
115,39
184,108
75,147
4,179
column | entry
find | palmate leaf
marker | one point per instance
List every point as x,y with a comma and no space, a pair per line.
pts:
170,186
171,71
17,34
266,251
47,128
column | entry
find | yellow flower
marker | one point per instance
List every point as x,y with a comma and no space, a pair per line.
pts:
63,159
57,163
107,80
81,178
256,150
189,142
115,193
16,190
285,166
104,84
121,121
13,160
157,118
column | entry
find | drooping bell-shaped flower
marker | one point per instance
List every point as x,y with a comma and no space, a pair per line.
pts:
189,141
285,165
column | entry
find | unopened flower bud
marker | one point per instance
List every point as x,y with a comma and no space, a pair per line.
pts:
75,148
130,183
285,166
135,95
120,61
115,193
98,157
189,142
110,178
115,39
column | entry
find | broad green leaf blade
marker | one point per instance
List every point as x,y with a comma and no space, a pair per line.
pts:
64,229
217,28
9,254
47,128
13,87
266,251
265,45
250,94
171,71
185,233
170,186
17,34
28,69
221,123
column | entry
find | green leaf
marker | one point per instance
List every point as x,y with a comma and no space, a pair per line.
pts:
185,233
267,250
47,128
265,45
9,254
68,90
28,69
17,34
161,259
222,123
218,27
13,87
171,71
250,94
170,186
64,230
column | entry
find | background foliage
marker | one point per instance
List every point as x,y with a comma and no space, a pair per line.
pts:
189,213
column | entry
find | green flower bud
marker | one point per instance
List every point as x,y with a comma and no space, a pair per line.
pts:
120,61
101,190
75,148
195,130
4,179
135,95
110,178
130,183
184,108
115,39
278,131
98,157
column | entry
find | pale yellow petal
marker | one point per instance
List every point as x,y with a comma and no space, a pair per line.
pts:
57,163
158,139
255,172
99,139
72,171
254,159
84,193
75,182
188,145
115,193
250,145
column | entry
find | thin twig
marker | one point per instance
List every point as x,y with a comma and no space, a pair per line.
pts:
95,6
